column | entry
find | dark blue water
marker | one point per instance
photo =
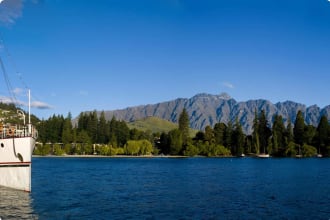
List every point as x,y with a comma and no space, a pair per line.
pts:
165,188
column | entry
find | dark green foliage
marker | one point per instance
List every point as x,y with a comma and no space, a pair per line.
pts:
228,135
219,133
103,130
299,127
42,149
261,133
308,151
309,134
164,143
175,142
200,136
184,126
237,147
209,135
91,128
291,149
67,132
255,134
322,137
191,150
278,136
51,130
264,132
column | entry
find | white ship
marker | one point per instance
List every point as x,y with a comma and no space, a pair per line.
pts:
16,146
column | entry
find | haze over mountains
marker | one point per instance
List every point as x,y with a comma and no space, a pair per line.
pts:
206,109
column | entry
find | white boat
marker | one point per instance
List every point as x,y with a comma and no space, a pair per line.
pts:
16,146
263,155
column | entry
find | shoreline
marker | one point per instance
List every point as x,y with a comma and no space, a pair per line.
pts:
114,156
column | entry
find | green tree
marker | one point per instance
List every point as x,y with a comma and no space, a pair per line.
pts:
67,135
184,126
191,150
83,137
308,151
219,133
42,149
278,136
238,139
229,135
255,134
103,130
135,134
164,143
82,121
132,147
298,130
291,150
92,126
322,134
122,133
145,147
309,134
264,131
288,135
209,134
58,151
175,141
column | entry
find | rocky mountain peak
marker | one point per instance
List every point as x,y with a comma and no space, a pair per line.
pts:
224,96
206,109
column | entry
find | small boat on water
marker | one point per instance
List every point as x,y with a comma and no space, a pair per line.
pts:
16,147
263,155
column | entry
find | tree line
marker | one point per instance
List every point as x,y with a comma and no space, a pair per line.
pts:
91,135
96,135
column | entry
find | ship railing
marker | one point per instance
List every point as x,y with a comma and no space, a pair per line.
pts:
17,131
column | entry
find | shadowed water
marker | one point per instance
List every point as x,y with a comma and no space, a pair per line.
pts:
15,204
164,188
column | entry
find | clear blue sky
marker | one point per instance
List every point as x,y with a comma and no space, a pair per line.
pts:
79,55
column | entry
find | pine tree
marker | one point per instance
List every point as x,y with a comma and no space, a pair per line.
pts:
67,135
299,127
288,133
255,134
322,134
229,135
175,141
238,146
103,130
264,131
209,134
278,132
219,133
184,126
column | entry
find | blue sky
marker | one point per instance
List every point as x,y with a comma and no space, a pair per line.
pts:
78,55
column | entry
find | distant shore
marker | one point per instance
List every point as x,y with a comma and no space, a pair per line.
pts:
114,156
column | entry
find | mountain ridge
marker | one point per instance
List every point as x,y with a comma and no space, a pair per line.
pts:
207,109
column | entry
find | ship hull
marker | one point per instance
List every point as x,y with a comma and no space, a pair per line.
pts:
15,162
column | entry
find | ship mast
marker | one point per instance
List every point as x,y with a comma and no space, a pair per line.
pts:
29,125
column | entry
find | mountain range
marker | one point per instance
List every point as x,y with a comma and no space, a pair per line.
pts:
206,109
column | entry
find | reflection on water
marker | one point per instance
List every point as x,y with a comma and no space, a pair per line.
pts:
15,204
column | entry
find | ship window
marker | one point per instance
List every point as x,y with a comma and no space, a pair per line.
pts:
2,145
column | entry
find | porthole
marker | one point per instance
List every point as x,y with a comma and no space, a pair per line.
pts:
2,145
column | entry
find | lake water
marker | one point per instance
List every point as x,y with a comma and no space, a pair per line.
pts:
167,188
